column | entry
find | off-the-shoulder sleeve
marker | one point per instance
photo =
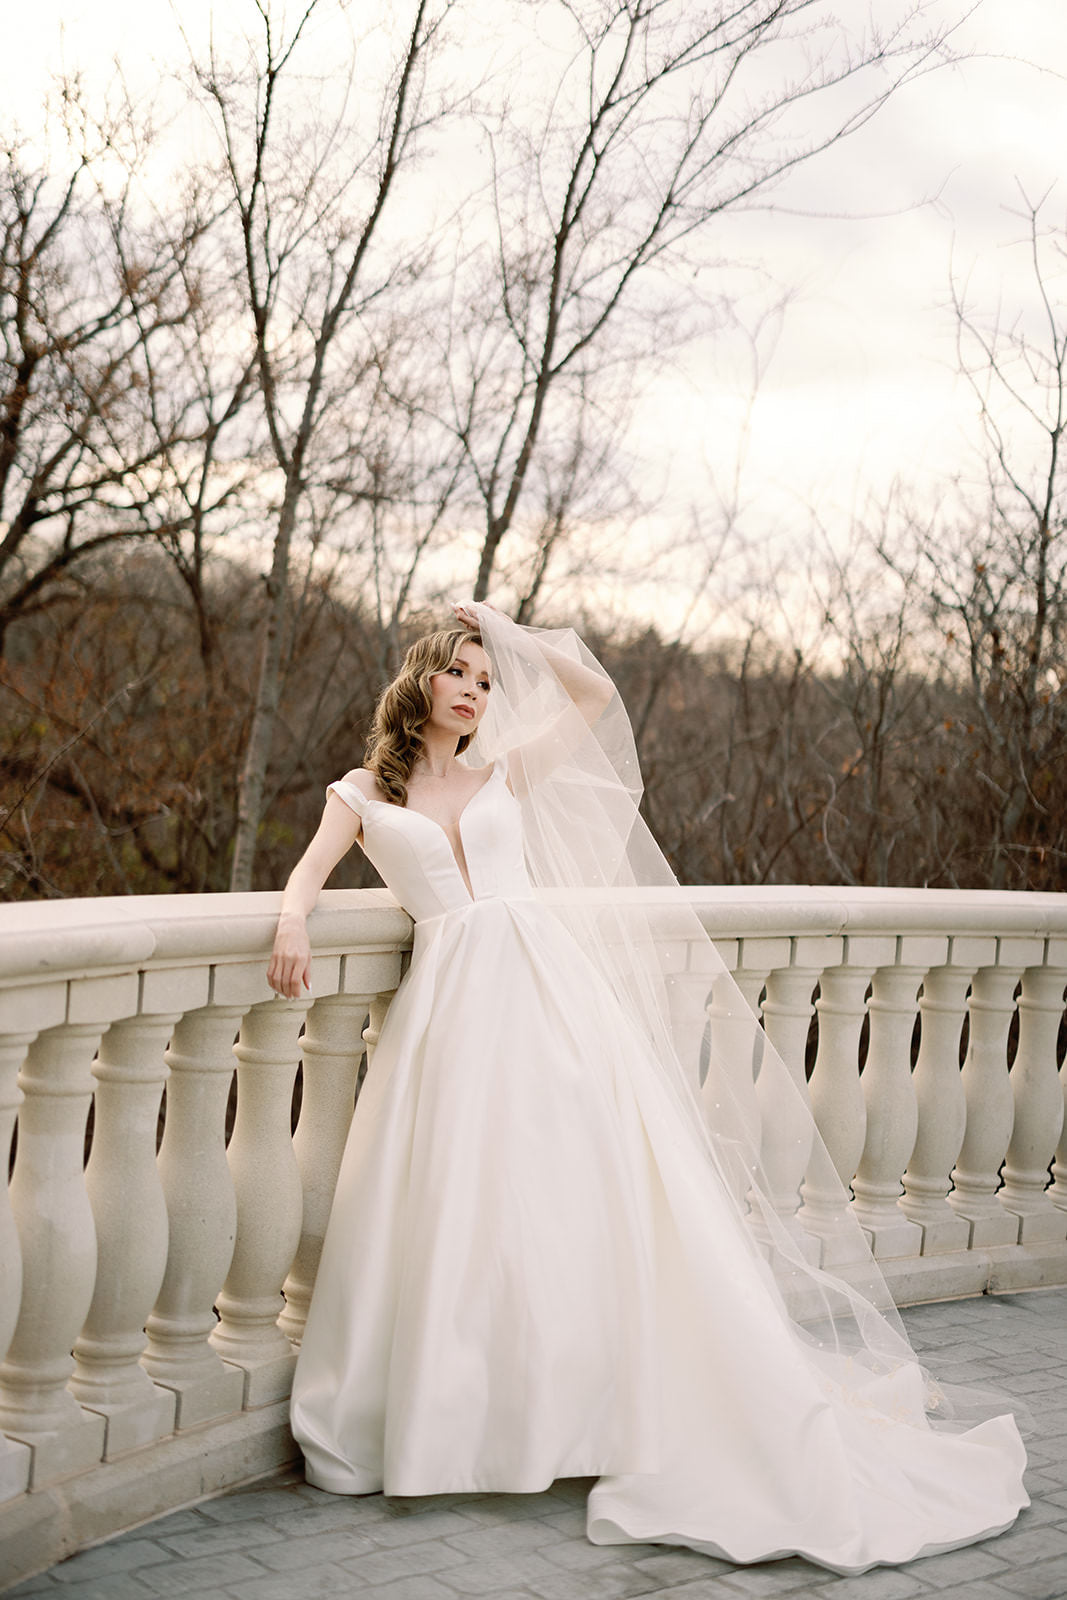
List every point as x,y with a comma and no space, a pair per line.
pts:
353,798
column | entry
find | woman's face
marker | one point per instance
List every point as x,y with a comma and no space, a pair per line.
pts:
460,692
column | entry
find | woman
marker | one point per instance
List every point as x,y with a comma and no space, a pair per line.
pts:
553,1250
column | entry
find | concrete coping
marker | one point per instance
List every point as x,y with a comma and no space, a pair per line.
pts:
44,939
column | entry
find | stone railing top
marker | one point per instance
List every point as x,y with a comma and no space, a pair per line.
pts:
813,908
67,936
53,938
47,939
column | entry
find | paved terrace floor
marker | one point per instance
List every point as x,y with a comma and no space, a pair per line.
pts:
278,1539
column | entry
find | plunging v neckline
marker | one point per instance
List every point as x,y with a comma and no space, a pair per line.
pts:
464,870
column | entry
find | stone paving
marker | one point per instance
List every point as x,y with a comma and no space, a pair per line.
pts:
278,1539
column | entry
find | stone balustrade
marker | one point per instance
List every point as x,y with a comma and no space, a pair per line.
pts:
152,1294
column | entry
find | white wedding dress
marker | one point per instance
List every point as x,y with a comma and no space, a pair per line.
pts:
534,1271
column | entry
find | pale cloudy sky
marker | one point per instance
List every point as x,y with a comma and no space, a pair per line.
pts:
858,387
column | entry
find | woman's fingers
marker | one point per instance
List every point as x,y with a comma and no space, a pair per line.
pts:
468,617
289,974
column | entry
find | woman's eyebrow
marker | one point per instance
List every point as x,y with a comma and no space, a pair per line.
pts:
461,661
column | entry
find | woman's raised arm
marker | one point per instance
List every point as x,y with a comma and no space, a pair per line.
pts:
590,691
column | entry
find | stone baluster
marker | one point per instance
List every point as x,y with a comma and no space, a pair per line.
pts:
266,1181
131,1227
892,1113
1058,1192
1039,1114
378,1010
942,1108
785,1145
13,1047
1056,956
840,1112
787,1013
202,1218
728,1093
990,1113
58,1241
332,1051
754,960
750,976
14,1457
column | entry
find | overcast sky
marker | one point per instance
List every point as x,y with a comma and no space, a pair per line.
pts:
859,386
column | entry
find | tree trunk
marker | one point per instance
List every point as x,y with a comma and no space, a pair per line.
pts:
268,683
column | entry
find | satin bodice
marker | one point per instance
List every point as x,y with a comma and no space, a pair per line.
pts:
417,863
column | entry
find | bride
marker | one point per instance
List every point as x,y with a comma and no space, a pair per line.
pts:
554,1249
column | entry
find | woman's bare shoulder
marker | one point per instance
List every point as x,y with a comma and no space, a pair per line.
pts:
365,782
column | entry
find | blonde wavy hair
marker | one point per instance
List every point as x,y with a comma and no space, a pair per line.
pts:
395,742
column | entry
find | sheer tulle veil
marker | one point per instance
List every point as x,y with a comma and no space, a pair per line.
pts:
591,856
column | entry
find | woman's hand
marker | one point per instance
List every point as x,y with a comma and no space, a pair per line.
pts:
466,616
289,972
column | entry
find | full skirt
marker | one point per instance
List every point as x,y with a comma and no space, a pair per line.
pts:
532,1271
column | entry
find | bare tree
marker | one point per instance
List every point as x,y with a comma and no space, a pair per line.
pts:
94,284
665,117
996,578
309,202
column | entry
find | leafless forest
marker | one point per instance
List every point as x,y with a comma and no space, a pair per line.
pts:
366,337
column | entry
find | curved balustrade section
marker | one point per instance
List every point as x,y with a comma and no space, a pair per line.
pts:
166,1210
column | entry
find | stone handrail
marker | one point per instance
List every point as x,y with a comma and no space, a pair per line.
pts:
152,1297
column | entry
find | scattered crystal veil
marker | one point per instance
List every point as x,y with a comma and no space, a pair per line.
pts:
594,859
